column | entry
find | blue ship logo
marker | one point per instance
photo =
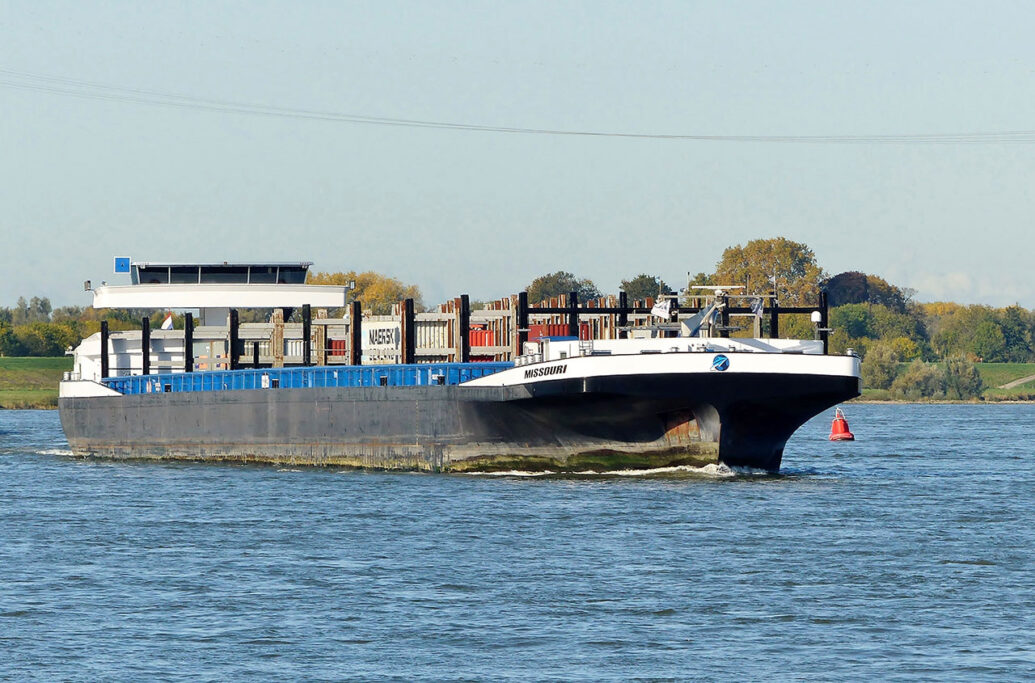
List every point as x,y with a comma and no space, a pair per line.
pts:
720,363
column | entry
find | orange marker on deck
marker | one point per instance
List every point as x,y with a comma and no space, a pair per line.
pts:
839,429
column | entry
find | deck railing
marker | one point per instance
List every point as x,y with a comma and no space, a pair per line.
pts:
422,374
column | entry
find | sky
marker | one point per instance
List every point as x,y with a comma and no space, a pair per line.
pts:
107,172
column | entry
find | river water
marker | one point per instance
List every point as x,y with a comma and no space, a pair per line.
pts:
907,554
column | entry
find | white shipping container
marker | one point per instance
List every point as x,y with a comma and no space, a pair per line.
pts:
432,334
382,341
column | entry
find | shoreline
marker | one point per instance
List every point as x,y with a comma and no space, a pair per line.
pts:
940,402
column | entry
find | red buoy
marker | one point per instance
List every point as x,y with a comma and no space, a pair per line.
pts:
839,429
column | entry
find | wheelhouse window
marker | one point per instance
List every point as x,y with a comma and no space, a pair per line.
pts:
225,275
183,275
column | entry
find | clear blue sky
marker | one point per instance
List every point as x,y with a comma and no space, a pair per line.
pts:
83,180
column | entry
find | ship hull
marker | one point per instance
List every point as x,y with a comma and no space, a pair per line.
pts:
568,424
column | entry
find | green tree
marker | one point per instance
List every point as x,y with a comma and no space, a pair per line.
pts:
888,323
20,314
847,288
695,297
643,286
855,319
954,329
8,342
45,339
962,379
920,380
854,287
793,264
946,342
1016,325
39,309
840,342
65,313
989,343
561,282
864,321
879,366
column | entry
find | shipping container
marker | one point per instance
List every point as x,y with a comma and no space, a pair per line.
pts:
556,330
432,334
482,337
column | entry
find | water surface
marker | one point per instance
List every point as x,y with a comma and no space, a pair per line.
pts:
905,555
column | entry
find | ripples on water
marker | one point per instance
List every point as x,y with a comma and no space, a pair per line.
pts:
907,554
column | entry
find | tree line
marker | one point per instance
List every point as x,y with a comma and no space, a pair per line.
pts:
879,320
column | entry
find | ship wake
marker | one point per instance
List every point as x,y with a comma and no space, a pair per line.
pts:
709,471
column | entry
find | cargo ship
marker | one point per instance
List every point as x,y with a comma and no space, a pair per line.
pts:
557,387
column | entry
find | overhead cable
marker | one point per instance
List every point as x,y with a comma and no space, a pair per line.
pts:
69,87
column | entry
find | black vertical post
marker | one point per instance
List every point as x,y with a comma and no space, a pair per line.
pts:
623,315
307,335
188,342
774,318
255,354
356,334
573,314
104,349
465,328
824,321
234,336
145,345
409,339
725,317
522,321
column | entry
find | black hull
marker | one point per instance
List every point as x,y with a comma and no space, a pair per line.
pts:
610,422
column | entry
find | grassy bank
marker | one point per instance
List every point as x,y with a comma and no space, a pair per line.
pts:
31,382
994,375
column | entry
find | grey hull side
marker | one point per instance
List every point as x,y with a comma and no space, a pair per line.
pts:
421,428
559,425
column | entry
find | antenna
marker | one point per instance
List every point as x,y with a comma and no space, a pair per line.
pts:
717,290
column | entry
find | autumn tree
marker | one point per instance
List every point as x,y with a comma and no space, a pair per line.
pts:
792,264
643,286
561,282
376,292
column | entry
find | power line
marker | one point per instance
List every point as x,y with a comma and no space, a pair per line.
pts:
69,87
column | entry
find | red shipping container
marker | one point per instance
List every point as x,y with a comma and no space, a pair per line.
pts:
480,337
555,330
